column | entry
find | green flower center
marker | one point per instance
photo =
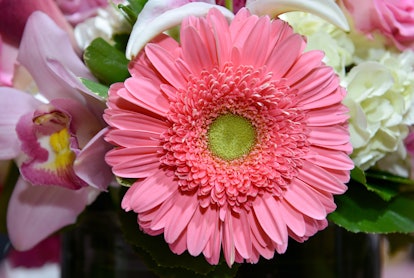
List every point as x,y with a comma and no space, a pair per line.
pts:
231,136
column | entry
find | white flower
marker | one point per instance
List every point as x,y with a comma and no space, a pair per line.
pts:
380,95
322,35
108,22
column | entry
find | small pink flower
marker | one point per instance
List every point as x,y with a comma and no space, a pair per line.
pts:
237,138
392,18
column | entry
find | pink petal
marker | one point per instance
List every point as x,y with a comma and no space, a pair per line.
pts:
128,120
338,115
293,218
164,62
329,136
285,55
142,92
150,192
201,227
37,48
9,117
221,50
212,250
194,52
302,198
180,215
329,158
33,206
8,56
319,178
259,33
137,162
15,13
241,234
90,163
180,245
228,240
270,219
131,138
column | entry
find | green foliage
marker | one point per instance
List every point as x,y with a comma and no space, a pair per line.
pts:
107,63
361,210
132,9
96,88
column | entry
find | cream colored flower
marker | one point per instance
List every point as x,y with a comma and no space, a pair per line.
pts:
322,35
107,23
380,95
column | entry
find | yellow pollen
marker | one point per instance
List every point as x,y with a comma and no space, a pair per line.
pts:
60,144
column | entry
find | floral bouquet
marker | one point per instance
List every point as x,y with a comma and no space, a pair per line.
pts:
224,129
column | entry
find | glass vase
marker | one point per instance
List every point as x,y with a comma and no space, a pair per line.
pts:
96,248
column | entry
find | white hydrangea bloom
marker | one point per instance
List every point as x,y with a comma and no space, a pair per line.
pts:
108,22
380,95
321,35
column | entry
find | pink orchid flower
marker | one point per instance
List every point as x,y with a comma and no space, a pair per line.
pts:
57,144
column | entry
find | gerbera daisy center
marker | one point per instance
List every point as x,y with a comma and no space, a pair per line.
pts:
231,136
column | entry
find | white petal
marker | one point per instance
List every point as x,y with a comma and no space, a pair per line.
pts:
326,9
145,30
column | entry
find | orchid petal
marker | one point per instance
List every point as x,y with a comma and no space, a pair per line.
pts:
9,117
30,206
14,14
326,9
52,43
8,55
146,29
90,164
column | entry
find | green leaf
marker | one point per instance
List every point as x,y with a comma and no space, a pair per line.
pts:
127,182
120,41
360,210
107,63
358,175
156,254
385,184
381,175
132,9
10,181
385,190
96,88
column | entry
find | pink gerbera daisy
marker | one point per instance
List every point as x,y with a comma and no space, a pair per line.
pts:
237,138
